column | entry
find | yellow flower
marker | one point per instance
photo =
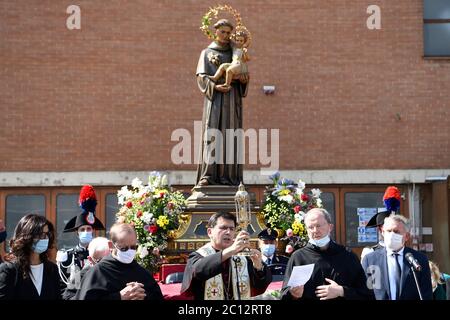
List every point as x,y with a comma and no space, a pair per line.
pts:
284,192
297,227
162,221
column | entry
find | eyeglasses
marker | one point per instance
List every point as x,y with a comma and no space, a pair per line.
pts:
227,228
133,247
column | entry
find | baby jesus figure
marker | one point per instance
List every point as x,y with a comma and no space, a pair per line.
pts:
238,65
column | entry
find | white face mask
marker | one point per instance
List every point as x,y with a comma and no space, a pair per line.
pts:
393,241
320,242
126,256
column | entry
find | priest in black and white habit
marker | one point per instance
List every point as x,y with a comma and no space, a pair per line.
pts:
118,276
214,272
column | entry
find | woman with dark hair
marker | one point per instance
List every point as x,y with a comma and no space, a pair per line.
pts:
28,274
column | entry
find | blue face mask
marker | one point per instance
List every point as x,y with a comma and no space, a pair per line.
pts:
85,237
320,242
40,246
268,250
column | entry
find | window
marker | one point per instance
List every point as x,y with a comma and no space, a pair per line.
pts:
112,207
328,203
436,28
66,208
18,206
354,203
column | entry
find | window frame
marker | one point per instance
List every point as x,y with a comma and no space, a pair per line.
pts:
428,21
5,192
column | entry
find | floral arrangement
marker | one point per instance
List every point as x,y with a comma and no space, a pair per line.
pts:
154,210
214,13
284,209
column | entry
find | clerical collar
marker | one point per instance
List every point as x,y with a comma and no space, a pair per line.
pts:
214,45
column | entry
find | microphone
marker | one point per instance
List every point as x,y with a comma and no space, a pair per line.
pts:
413,262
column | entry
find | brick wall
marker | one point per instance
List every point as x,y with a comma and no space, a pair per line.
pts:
108,96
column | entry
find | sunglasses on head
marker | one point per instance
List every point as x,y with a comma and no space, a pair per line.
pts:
133,247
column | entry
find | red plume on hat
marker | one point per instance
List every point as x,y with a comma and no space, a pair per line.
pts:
88,199
88,203
392,198
391,201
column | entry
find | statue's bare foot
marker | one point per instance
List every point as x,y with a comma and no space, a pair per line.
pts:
203,182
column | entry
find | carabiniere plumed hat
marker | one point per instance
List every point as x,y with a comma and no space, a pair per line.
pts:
88,203
391,201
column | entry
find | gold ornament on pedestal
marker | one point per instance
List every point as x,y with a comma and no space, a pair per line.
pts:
243,212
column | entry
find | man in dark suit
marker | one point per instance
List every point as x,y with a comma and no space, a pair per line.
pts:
388,270
391,200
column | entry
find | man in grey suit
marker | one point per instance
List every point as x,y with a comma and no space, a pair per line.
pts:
388,269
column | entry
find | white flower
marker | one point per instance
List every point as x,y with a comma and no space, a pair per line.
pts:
319,203
214,58
148,189
143,253
316,193
299,216
123,195
147,217
301,184
288,198
154,180
164,181
136,183
139,194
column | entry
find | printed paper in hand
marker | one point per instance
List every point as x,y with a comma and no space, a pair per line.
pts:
300,275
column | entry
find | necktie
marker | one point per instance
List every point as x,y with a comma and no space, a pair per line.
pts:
269,261
398,276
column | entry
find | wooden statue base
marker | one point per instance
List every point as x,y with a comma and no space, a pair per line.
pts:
215,198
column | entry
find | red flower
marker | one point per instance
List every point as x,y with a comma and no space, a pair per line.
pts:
297,209
305,197
129,204
161,194
153,228
170,205
139,214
